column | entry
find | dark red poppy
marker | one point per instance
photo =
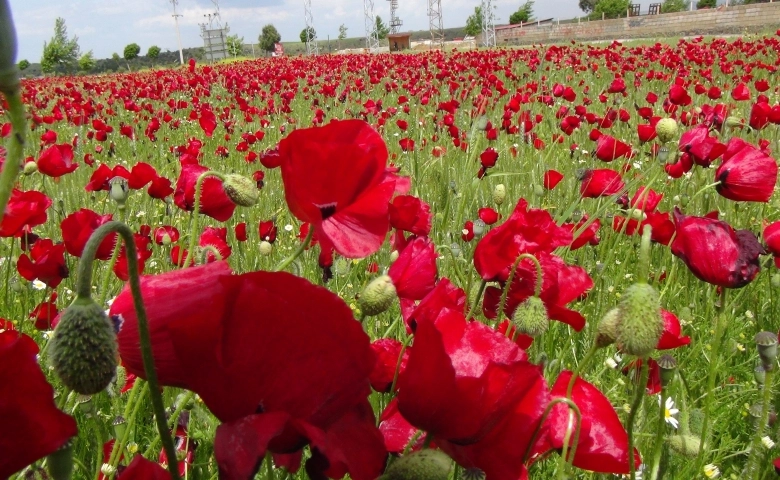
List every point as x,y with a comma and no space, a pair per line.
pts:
467,234
410,214
602,444
715,252
760,115
671,338
143,469
267,231
414,272
396,430
772,240
45,263
588,236
678,95
166,234
702,148
235,356
444,296
388,352
240,232
525,231
335,177
57,161
24,211
609,148
216,238
214,202
488,215
552,178
747,173
407,144
561,285
33,426
79,226
143,245
600,182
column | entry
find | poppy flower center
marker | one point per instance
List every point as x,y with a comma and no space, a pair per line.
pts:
327,210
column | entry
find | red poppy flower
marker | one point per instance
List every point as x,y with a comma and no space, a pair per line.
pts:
602,444
45,263
488,215
600,182
414,272
271,374
702,148
671,338
143,245
267,231
444,296
184,447
525,231
388,352
335,177
715,252
609,148
740,92
407,144
24,211
33,426
747,173
57,161
240,232
166,234
467,234
79,226
588,236
45,314
410,214
552,178
683,165
772,240
207,121
678,95
214,202
561,285
143,469
396,430
217,238
634,368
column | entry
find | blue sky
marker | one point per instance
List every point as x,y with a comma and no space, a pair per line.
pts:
106,26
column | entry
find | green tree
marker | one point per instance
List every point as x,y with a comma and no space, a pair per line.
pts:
671,6
523,14
153,53
587,6
611,8
308,33
87,62
269,37
131,52
342,32
474,22
706,3
381,29
235,45
23,64
60,54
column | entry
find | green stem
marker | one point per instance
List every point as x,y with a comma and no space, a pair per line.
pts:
655,463
195,211
173,419
98,458
511,278
15,151
83,289
639,395
120,443
566,458
754,461
580,367
398,364
298,251
545,414
475,303
644,254
703,189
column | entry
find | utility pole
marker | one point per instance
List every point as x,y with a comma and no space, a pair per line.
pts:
372,39
311,43
488,27
178,34
436,23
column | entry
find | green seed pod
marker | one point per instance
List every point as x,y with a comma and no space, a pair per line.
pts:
530,317
118,191
377,296
667,366
83,350
60,463
767,349
265,248
687,445
666,129
499,194
607,329
29,168
422,465
120,425
241,190
640,321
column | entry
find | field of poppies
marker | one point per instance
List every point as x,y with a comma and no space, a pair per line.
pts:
550,262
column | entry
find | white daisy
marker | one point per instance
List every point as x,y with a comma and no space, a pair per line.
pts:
670,412
711,471
38,285
768,443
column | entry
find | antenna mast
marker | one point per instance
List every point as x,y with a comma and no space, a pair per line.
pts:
395,22
488,27
311,44
372,39
178,34
436,23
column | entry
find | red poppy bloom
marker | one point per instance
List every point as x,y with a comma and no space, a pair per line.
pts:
214,202
702,148
396,430
671,338
57,161
217,238
240,232
444,296
678,95
414,272
236,356
772,240
552,178
600,182
207,121
488,215
747,173
407,144
388,351
609,148
184,447
715,252
79,226
633,370
143,245
45,263
410,214
740,92
24,211
335,178
588,236
525,231
467,234
45,314
166,234
267,231
143,469
33,426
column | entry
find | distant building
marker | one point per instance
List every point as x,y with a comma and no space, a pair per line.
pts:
399,41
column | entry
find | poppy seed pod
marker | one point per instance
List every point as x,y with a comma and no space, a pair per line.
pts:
29,168
377,296
118,190
767,349
422,465
640,321
666,129
687,445
83,350
499,194
608,328
241,190
265,248
530,317
667,366
60,463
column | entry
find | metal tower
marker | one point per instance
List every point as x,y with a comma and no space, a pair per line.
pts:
311,43
178,35
436,23
488,27
372,39
395,22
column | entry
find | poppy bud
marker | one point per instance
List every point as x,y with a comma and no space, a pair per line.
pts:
121,377
499,194
767,349
118,190
667,366
119,424
530,317
666,129
775,281
687,445
640,321
29,168
377,296
60,463
759,374
394,256
422,465
538,190
607,328
241,190
265,248
732,122
83,350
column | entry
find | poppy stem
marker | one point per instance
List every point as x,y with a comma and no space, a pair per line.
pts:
703,189
754,460
15,150
510,279
644,254
84,290
639,395
298,251
195,212
474,303
655,462
580,367
573,406
398,363
566,457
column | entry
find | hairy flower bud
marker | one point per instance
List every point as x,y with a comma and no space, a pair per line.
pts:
60,463
640,321
607,329
687,445
83,350
530,317
666,129
29,168
241,190
422,465
377,296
